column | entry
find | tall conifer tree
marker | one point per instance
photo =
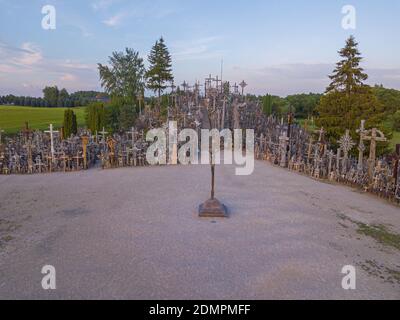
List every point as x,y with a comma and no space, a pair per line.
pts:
160,70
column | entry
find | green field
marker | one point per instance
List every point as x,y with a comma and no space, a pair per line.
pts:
13,118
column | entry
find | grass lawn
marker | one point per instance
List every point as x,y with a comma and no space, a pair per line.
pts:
13,118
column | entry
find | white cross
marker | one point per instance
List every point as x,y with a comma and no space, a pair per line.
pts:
103,133
132,132
51,131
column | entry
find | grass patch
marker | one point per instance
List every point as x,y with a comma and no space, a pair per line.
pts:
13,118
380,233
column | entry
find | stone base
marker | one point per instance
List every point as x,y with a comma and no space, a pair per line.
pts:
213,209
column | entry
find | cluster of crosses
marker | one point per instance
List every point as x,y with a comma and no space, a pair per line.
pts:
218,105
293,147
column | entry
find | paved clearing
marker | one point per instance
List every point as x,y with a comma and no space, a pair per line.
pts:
134,233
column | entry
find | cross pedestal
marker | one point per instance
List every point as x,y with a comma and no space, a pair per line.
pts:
212,208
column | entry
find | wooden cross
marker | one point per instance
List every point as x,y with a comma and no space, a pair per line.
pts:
310,144
77,157
217,81
64,158
85,141
207,84
132,132
185,86
283,141
243,85
361,146
321,133
346,144
39,163
235,88
376,136
51,131
103,133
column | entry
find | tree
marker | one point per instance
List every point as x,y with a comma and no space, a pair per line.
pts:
124,78
51,96
304,104
396,121
95,120
69,124
348,100
160,70
348,76
267,104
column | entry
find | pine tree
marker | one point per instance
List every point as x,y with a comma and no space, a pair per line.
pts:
160,70
348,100
348,76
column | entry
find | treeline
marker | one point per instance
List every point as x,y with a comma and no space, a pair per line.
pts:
304,106
54,97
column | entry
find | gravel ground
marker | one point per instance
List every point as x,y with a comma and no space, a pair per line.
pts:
134,233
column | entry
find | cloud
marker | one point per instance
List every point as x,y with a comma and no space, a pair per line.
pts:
68,77
285,79
114,20
201,48
25,70
102,4
144,11
31,55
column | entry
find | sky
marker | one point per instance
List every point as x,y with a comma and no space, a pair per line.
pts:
279,47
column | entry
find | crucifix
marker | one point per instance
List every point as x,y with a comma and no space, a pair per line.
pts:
64,158
185,86
51,131
207,85
346,144
103,134
77,158
39,163
217,81
376,136
235,89
243,85
132,132
361,146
